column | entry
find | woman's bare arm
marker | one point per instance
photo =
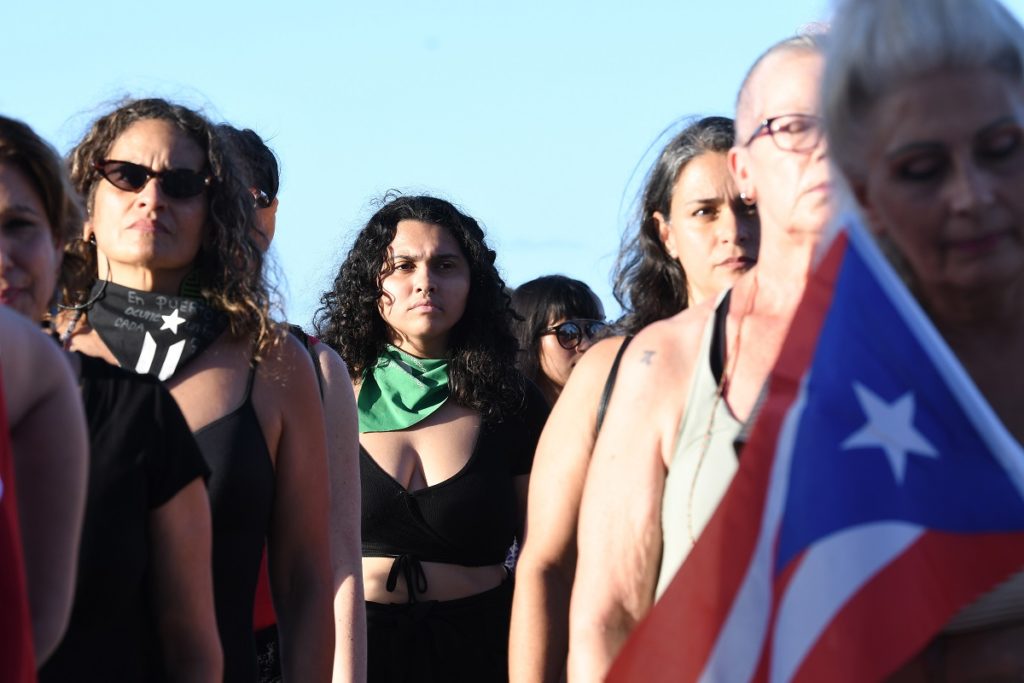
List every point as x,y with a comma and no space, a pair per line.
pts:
182,582
51,451
345,519
298,547
539,641
620,516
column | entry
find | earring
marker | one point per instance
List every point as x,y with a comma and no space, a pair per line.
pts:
746,199
92,239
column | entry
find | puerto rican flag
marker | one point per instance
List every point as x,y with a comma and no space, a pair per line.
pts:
878,494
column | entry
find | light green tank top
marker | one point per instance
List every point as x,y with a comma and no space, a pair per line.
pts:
707,427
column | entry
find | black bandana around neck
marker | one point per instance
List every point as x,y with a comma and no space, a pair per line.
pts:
152,333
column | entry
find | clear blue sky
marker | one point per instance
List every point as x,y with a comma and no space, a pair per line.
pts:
536,117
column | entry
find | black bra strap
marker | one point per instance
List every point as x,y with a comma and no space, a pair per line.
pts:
718,338
251,379
609,384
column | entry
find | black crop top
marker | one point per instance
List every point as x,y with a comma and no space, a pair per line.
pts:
468,519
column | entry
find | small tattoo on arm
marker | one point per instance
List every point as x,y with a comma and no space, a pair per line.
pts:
648,355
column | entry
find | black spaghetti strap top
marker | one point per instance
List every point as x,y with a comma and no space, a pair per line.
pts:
241,489
717,351
609,385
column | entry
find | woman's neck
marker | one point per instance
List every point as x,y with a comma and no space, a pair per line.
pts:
143,279
997,309
783,267
421,348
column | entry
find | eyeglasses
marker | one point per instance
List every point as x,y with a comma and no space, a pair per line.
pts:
570,333
791,132
176,183
260,199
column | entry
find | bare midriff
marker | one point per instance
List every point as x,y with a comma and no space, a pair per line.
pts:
444,581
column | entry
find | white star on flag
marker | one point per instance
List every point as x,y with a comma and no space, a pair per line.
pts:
891,428
172,321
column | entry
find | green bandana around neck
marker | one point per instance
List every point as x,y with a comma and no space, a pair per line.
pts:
401,390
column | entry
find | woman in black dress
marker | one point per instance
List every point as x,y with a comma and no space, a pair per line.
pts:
173,284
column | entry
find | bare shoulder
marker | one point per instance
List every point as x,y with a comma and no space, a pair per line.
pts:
679,336
331,364
660,357
593,368
32,366
285,357
666,348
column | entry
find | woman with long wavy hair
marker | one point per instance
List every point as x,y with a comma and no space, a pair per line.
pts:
692,236
171,283
447,433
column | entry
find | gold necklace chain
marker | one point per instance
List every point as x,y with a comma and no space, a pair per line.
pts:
719,396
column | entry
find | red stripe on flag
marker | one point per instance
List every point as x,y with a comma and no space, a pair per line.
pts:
675,639
919,592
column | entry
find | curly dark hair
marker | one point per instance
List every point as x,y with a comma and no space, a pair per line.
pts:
540,302
649,284
229,264
482,348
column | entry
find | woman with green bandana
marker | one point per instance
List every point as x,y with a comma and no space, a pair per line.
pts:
447,433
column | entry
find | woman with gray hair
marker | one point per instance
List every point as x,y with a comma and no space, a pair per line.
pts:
926,125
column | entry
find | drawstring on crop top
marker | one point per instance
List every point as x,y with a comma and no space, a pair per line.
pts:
411,570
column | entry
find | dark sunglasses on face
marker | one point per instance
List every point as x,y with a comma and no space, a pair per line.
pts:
570,333
176,183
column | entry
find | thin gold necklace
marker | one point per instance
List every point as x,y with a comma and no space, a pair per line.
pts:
719,397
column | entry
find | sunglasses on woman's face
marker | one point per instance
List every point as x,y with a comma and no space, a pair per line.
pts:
570,333
176,183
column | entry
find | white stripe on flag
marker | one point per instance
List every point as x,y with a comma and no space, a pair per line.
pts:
146,355
738,647
171,359
830,572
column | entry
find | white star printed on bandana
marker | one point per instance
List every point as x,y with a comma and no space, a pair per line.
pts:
172,321
891,428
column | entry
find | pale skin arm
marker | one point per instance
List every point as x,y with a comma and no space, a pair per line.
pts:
183,586
539,639
620,516
50,444
298,547
345,520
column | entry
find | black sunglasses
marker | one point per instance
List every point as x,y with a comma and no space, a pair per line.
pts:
570,333
176,183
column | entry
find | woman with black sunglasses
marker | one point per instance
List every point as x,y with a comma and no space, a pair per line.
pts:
558,320
171,281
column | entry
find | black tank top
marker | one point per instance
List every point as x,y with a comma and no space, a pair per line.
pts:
241,488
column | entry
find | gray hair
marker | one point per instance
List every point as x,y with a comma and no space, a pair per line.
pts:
879,46
813,38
